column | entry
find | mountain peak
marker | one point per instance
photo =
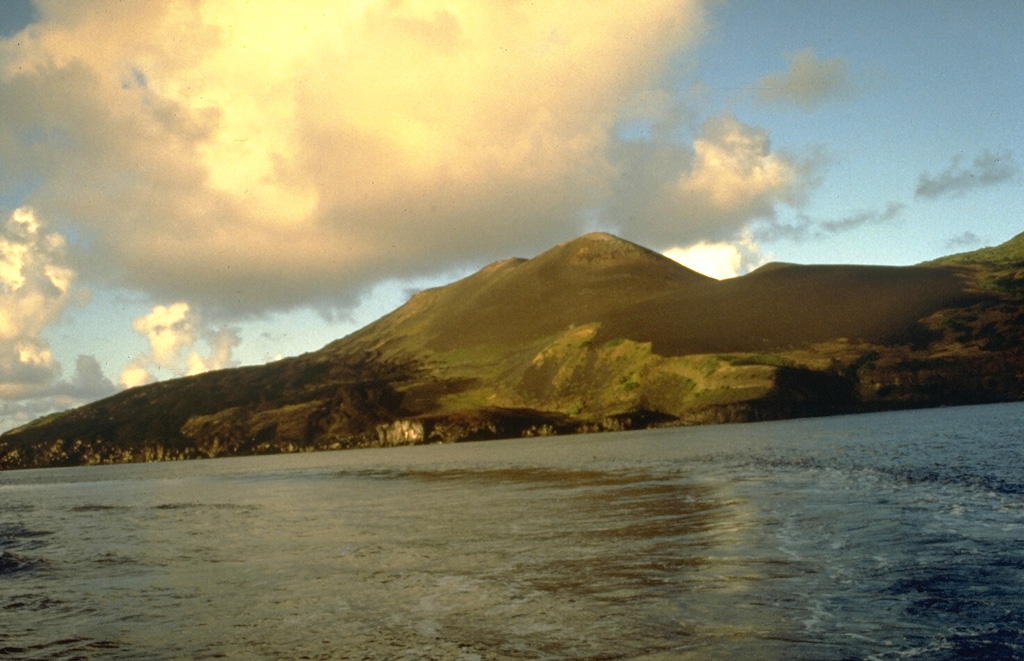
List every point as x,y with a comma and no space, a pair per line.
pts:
603,249
598,237
601,240
596,333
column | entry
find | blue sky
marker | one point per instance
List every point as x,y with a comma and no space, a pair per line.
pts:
195,185
933,82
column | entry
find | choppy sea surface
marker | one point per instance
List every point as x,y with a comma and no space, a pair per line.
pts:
884,536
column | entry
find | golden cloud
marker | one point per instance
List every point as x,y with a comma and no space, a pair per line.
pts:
735,171
257,155
35,289
171,330
722,259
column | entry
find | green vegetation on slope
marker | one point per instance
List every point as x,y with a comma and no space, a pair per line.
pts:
594,334
1010,252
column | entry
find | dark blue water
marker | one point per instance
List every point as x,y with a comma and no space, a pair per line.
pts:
889,536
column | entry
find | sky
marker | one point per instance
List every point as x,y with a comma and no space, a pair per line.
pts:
189,185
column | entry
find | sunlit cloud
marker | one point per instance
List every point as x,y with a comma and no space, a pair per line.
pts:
168,329
222,343
672,193
248,158
987,169
735,172
37,285
135,374
807,83
173,332
35,288
253,159
723,259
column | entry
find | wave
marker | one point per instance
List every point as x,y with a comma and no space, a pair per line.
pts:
14,563
17,536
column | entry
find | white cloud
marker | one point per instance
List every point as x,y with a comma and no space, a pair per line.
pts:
670,192
249,159
168,329
37,284
735,172
173,332
135,374
35,288
222,343
259,157
723,259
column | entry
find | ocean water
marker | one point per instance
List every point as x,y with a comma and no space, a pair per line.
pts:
884,536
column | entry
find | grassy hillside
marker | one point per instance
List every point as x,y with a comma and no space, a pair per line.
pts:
640,295
594,334
1010,252
995,269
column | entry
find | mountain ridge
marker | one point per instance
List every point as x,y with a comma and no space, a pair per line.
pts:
1008,252
597,333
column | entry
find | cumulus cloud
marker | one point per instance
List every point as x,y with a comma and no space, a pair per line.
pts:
135,374
88,383
987,169
735,174
35,288
670,191
37,283
222,343
807,83
168,329
723,259
263,157
173,332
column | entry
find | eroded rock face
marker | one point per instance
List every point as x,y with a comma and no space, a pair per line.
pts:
401,432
